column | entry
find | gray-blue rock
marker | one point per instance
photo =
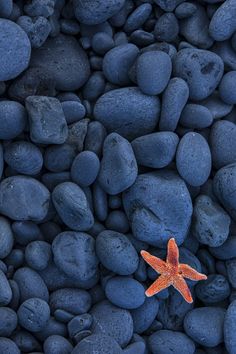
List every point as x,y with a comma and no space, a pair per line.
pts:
170,342
230,327
99,343
223,22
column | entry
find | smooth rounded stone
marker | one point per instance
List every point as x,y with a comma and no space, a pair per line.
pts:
168,5
5,290
224,187
225,251
215,289
6,8
99,344
38,254
26,232
125,292
1,160
153,72
201,69
195,28
227,88
15,50
73,111
56,344
222,143
113,321
193,159
59,158
75,301
85,168
95,86
142,38
196,116
158,205
72,206
71,71
128,112
155,150
8,321
24,157
63,316
12,119
116,252
100,202
210,222
52,327
37,30
23,198
198,325
144,315
227,53
76,134
6,237
229,328
231,268
166,28
185,10
223,22
69,26
117,63
135,348
39,8
170,342
96,11
7,346
102,42
118,170
47,120
79,323
30,284
137,17
216,106
74,254
117,221
95,136
174,99
33,314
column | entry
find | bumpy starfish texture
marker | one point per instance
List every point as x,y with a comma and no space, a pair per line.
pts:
171,272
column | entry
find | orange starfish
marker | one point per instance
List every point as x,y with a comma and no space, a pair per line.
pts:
172,272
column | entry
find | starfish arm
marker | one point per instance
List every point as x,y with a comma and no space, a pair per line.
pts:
190,273
172,253
161,283
156,263
180,284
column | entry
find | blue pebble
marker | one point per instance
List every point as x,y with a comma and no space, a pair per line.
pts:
128,112
85,168
116,252
100,202
102,42
174,99
135,348
25,232
185,10
166,28
226,52
117,221
198,325
51,180
33,314
138,17
156,150
5,290
75,301
69,26
118,170
215,289
72,206
24,157
196,116
223,22
144,315
73,111
8,321
170,342
15,258
56,344
8,346
113,321
47,120
63,316
231,267
125,292
117,63
100,343
79,323
227,87
168,5
74,254
115,202
59,158
12,119
225,251
7,239
224,186
201,69
153,72
38,254
229,328
39,8
15,300
51,328
30,284
6,9
13,62
94,87
23,198
193,159
118,20
77,132
37,29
